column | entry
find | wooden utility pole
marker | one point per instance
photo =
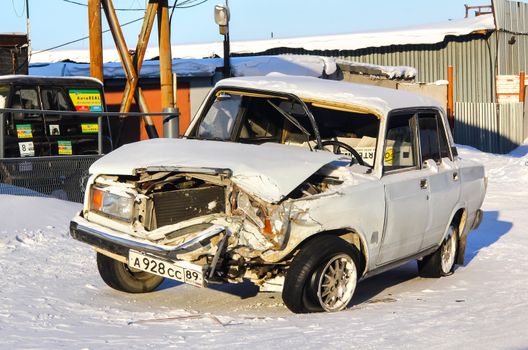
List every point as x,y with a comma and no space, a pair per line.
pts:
165,56
96,39
132,62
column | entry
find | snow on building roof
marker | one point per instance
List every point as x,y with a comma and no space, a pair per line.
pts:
374,98
241,66
424,34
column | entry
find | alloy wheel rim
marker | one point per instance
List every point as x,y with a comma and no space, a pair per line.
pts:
337,283
448,252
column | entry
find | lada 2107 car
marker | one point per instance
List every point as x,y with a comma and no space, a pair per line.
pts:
301,185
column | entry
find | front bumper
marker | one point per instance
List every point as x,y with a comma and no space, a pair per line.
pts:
119,243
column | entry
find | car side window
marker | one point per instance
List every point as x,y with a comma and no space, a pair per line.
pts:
433,141
399,143
25,99
442,138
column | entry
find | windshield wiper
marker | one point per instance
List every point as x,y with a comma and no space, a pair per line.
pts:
215,138
291,119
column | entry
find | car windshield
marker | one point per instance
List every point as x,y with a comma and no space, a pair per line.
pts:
258,118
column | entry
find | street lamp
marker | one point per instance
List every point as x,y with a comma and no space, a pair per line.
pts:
221,15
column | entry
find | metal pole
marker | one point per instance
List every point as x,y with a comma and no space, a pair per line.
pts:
96,39
522,77
450,96
227,63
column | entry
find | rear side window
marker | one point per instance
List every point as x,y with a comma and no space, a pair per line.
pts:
55,100
399,143
433,141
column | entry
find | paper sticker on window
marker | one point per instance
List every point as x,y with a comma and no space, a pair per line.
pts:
65,148
389,156
86,100
89,128
54,129
24,131
26,149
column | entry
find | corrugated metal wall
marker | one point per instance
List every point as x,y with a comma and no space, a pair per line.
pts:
472,56
512,31
490,127
13,54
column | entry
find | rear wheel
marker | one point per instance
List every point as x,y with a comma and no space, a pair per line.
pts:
442,262
122,277
322,276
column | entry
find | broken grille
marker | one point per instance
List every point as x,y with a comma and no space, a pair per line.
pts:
184,204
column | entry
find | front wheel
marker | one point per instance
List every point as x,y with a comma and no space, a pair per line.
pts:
442,261
322,276
122,277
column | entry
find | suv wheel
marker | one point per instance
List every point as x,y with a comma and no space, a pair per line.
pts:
442,262
122,277
322,276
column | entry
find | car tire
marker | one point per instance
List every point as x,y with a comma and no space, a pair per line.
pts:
121,277
318,261
442,261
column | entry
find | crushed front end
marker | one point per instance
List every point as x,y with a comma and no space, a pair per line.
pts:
193,226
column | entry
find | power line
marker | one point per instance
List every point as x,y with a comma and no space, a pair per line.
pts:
191,3
183,5
16,12
84,38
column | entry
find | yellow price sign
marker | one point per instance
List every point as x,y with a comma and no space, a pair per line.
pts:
89,128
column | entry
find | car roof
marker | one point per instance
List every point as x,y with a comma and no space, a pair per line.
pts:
43,80
360,97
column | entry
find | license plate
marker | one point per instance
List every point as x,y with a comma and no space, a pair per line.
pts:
182,271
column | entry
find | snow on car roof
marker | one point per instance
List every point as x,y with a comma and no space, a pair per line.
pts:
375,99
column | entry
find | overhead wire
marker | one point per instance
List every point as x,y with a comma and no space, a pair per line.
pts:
84,38
15,10
191,3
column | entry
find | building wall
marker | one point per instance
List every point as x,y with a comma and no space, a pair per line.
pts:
511,19
133,129
472,57
13,54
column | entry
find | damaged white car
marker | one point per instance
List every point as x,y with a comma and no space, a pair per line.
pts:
301,185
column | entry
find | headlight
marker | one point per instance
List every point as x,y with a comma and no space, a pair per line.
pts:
272,221
111,204
277,225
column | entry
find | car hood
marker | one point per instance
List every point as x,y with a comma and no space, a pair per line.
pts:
270,171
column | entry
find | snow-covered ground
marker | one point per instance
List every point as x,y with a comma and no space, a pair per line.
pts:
51,296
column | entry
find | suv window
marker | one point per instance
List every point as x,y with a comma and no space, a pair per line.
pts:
399,143
55,100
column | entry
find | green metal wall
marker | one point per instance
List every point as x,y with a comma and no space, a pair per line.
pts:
472,57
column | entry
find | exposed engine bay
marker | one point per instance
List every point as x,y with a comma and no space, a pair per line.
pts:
176,209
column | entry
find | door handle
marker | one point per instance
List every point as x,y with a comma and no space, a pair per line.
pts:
455,176
424,184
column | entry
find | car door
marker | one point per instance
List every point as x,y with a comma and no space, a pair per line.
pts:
406,190
443,178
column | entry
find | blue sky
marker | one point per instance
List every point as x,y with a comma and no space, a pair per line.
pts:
54,22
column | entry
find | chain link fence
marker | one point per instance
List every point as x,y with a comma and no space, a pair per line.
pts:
59,177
